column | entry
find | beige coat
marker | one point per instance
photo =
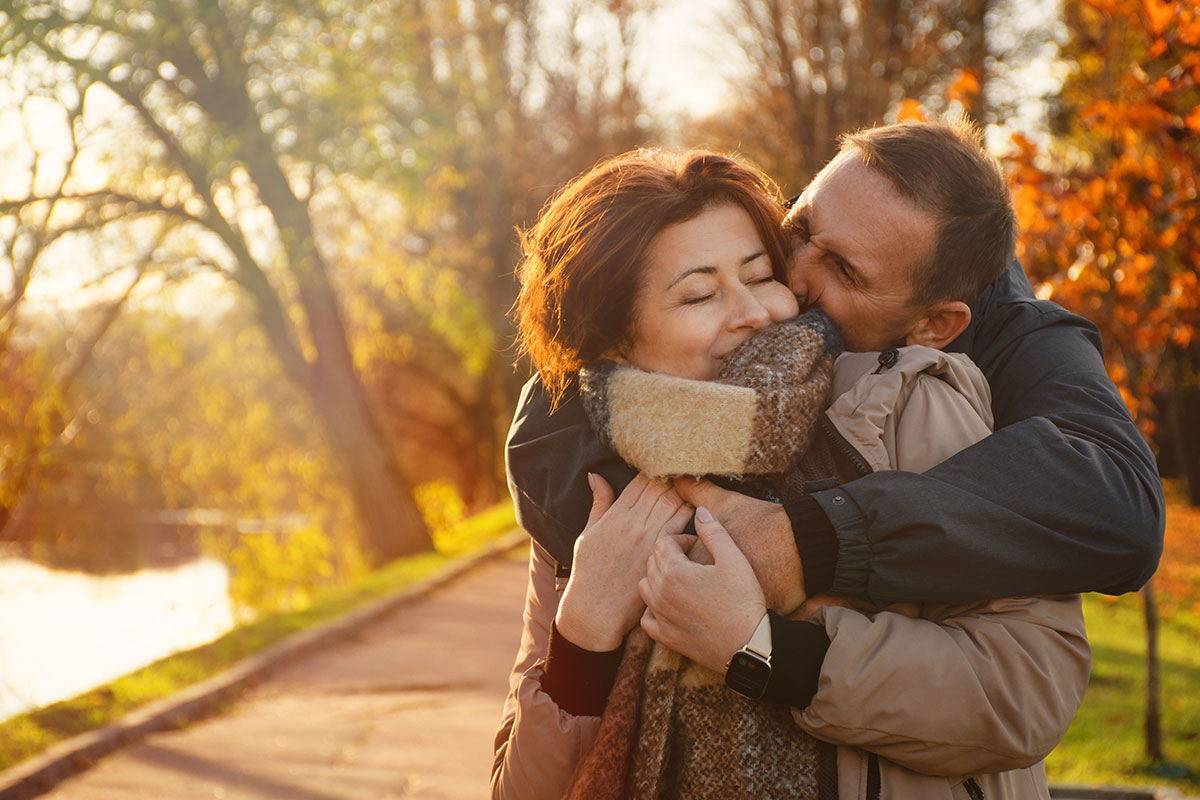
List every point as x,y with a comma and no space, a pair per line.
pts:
983,691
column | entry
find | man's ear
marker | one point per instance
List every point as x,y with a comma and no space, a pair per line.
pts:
940,324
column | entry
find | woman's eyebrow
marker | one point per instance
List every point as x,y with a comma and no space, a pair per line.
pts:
704,270
708,269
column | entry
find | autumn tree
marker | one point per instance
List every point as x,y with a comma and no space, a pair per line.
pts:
1109,223
252,124
514,99
1109,220
817,68
216,129
41,412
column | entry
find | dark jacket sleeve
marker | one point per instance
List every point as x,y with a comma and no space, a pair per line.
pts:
547,459
1063,497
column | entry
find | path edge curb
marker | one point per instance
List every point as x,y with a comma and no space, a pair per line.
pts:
39,774
1083,791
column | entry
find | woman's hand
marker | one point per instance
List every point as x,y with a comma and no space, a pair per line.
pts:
601,602
703,611
763,533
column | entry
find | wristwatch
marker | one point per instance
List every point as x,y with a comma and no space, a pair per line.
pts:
749,670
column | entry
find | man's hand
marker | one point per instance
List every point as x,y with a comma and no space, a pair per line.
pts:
703,611
763,532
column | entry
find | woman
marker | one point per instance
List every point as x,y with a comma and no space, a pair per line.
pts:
668,263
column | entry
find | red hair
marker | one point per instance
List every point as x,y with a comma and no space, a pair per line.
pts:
584,259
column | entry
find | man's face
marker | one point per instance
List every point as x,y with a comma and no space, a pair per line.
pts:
858,241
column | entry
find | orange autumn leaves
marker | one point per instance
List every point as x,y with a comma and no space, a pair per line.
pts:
1179,571
1111,229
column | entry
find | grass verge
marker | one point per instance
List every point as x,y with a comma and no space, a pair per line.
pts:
1106,742
26,735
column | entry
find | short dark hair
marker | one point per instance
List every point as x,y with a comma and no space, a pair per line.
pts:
583,261
945,169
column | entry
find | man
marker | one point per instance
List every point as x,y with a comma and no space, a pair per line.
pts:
1064,497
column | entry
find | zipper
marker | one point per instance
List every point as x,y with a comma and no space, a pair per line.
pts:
838,441
874,785
887,359
973,790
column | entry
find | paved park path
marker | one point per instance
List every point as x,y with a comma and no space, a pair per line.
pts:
406,708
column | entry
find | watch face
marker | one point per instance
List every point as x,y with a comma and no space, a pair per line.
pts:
748,674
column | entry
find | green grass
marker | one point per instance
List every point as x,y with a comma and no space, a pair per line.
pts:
1104,744
28,734
1106,741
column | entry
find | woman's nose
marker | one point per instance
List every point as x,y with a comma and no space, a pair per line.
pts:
749,313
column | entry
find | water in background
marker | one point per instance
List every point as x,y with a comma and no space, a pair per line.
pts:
62,633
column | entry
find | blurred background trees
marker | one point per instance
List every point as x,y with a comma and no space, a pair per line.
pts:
344,178
1110,214
257,256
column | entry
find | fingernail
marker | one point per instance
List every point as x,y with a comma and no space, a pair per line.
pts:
591,481
703,514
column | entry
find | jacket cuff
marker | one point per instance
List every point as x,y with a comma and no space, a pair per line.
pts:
854,548
816,542
577,680
797,653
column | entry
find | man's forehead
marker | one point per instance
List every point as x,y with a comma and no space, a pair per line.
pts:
802,203
855,210
843,166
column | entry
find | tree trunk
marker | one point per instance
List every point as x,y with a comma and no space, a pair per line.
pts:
975,15
391,523
1153,724
1185,410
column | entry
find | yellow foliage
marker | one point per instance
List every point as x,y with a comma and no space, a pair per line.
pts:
276,571
441,507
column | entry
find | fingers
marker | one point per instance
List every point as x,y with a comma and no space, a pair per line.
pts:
677,523
701,493
633,491
645,591
667,549
650,625
657,505
714,536
602,497
660,503
683,540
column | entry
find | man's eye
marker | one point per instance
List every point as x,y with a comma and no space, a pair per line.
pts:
762,279
692,301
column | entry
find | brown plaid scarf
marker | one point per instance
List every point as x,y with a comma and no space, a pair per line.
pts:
671,729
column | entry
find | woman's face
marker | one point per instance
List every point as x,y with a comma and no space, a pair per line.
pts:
708,286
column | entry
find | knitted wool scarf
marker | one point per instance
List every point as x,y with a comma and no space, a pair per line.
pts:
671,729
